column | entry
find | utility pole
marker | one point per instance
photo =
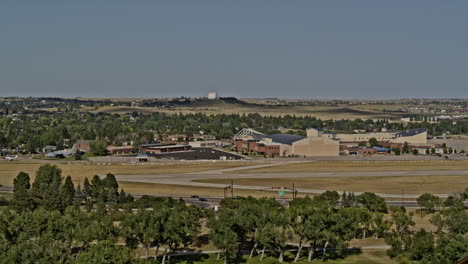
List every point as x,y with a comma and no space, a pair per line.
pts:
402,198
232,188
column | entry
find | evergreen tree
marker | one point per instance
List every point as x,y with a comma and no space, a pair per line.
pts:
46,187
67,193
78,155
22,199
96,187
111,188
87,189
79,195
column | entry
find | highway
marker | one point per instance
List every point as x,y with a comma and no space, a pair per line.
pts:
214,201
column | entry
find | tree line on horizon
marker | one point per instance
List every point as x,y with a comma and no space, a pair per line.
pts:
52,221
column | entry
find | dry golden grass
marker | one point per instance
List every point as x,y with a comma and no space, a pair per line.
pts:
323,112
368,242
363,166
78,171
423,222
389,184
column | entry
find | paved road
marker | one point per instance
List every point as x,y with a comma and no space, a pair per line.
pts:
188,178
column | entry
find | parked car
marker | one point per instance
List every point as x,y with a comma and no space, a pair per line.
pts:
203,200
195,196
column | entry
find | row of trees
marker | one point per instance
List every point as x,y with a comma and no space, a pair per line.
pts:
36,130
50,221
50,191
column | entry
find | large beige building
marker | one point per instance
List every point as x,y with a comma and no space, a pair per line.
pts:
412,136
313,145
316,146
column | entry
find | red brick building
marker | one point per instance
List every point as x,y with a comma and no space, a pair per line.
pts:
113,150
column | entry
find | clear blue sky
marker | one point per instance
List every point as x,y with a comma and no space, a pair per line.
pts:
251,48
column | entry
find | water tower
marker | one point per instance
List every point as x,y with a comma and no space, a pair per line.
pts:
212,96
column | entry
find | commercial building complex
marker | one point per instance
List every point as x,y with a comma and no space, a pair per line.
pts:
412,136
319,143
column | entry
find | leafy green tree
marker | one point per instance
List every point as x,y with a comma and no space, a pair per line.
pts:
373,142
399,238
106,252
397,151
363,220
98,147
180,229
428,202
452,220
300,219
224,238
422,247
145,228
380,225
308,219
372,202
276,232
450,249
331,197
339,227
